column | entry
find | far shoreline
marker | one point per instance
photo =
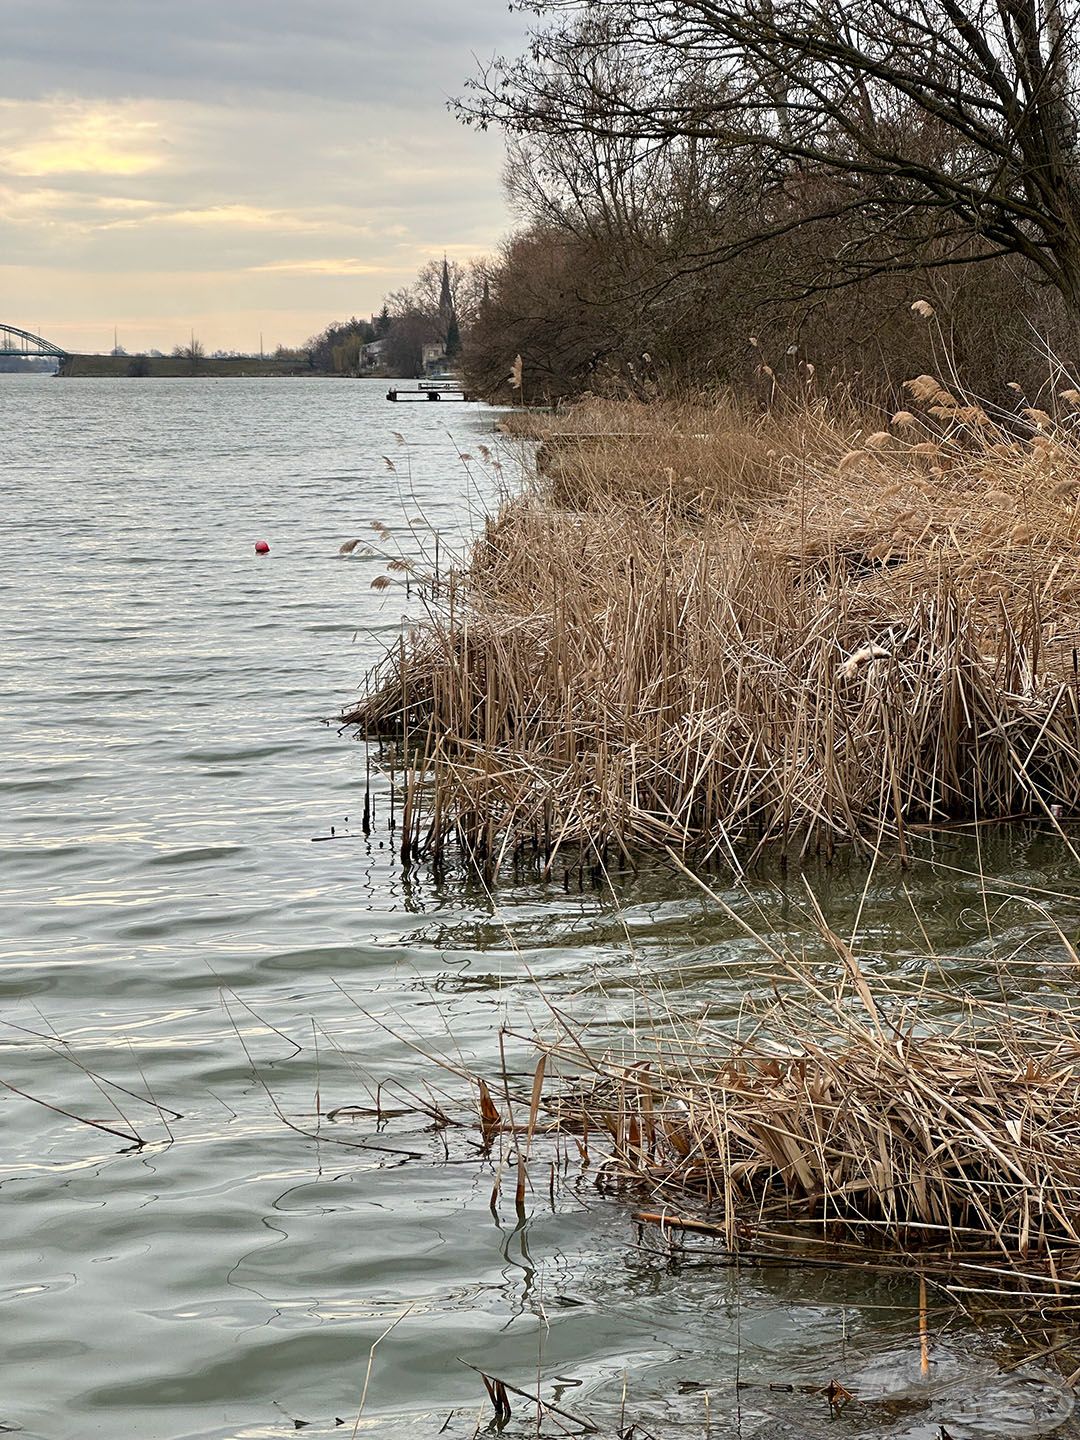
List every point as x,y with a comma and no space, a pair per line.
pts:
177,367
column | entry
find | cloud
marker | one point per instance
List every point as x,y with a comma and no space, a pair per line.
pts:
243,217
340,266
342,51
238,165
77,138
222,217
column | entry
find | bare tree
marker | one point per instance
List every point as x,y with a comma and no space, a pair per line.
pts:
937,132
423,296
194,352
403,346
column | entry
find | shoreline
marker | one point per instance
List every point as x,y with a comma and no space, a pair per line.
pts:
169,367
739,636
710,628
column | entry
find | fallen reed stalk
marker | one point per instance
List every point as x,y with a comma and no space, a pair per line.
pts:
714,629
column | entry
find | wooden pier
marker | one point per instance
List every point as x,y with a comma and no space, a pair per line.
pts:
429,390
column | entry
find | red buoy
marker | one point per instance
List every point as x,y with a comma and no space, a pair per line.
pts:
261,547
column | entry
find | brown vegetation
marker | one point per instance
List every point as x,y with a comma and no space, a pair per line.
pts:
690,173
565,304
846,1116
739,629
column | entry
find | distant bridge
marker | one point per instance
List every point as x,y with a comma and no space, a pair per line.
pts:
21,344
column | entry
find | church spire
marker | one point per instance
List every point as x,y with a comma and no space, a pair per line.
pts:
446,298
448,315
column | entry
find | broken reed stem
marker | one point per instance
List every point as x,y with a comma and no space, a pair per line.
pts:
732,632
924,1340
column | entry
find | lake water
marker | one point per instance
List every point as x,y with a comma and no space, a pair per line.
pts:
200,949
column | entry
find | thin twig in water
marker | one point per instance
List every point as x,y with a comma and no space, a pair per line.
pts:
370,1361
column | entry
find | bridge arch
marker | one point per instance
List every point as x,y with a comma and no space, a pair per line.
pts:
23,344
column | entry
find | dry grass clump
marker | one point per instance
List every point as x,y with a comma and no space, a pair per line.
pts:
700,455
852,1123
849,1109
884,633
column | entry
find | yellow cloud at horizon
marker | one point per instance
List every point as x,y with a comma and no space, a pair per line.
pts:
245,217
234,216
84,140
341,266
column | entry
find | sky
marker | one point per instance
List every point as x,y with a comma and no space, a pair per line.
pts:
236,167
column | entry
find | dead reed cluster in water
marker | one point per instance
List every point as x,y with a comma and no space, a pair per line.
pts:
709,627
847,1117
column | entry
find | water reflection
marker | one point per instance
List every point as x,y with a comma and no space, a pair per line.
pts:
180,961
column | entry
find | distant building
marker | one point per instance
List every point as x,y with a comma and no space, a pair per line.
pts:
433,358
371,355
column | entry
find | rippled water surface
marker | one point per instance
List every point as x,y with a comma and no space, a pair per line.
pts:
201,952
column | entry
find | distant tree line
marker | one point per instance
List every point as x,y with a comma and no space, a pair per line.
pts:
439,308
416,315
702,183
337,349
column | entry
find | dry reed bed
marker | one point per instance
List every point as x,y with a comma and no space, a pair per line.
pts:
855,1123
691,454
877,628
854,1117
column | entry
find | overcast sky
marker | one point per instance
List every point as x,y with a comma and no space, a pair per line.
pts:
235,166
